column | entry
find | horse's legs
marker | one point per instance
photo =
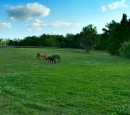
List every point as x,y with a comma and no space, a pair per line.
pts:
51,60
54,60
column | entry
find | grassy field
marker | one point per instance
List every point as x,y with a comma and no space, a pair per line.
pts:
81,84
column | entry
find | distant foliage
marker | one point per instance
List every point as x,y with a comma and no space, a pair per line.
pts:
124,19
115,39
114,34
2,42
88,36
125,49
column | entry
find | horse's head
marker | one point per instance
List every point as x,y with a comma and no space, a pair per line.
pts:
45,56
41,55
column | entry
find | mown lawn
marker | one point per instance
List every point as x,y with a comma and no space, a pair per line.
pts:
81,84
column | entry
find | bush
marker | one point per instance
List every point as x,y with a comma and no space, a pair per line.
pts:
125,49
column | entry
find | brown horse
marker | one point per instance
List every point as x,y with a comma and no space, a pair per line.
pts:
57,57
41,55
51,59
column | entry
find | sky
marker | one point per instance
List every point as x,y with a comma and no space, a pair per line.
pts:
22,18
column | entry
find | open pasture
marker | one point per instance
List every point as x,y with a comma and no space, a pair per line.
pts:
80,84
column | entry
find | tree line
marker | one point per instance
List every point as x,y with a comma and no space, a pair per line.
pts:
113,36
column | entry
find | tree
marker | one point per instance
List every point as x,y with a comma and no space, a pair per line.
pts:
115,40
88,35
101,42
115,37
72,41
124,19
29,41
3,42
125,49
125,24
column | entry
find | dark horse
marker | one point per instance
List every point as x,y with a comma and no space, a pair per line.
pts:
57,57
41,55
51,59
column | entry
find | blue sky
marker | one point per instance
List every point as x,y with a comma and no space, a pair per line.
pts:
22,18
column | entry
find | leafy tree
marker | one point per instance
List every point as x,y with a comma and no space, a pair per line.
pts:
3,42
116,36
124,19
59,39
71,41
125,50
29,41
77,41
88,35
125,24
10,43
115,40
101,42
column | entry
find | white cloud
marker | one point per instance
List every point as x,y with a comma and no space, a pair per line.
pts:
39,25
56,33
65,24
4,25
114,5
29,11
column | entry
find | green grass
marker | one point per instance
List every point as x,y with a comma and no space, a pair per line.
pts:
81,84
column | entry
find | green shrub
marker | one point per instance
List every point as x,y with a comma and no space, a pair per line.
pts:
125,49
